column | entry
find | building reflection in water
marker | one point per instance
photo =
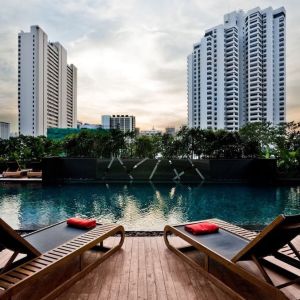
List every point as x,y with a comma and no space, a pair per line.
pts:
145,206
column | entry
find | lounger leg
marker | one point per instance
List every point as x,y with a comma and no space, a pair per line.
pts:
262,270
294,249
185,257
10,261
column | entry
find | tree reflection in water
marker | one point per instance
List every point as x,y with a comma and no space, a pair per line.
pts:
145,206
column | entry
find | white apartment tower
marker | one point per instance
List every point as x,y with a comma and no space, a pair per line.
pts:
236,73
47,85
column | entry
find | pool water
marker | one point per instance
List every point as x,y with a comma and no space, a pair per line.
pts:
145,206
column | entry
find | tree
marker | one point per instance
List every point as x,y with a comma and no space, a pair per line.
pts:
144,147
260,132
184,142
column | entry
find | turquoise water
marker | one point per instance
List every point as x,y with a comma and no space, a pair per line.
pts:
145,206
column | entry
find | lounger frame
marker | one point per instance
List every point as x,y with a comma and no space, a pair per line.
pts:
13,281
211,254
15,172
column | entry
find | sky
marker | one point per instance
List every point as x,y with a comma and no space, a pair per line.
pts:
130,54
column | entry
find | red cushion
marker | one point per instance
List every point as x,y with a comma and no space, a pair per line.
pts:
81,223
202,228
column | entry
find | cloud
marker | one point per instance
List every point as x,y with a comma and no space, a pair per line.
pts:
131,54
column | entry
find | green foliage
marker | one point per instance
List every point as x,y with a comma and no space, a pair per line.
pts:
254,140
24,148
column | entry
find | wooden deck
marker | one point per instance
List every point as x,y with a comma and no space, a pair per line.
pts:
144,269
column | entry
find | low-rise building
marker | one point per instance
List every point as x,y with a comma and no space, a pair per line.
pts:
171,131
122,122
151,132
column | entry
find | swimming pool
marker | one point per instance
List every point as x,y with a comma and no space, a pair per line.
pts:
145,206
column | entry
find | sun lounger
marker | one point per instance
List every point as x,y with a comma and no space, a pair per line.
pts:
35,170
233,248
54,258
13,170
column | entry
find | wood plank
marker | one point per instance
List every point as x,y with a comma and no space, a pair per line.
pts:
17,275
5,284
59,250
98,278
183,278
170,287
41,261
75,244
133,273
51,256
125,272
23,271
55,254
10,279
142,276
159,278
171,260
106,284
115,276
37,264
68,248
151,284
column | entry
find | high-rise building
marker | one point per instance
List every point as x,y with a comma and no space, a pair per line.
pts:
4,130
236,73
47,85
122,122
105,121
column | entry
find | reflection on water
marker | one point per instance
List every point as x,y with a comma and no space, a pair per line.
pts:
145,206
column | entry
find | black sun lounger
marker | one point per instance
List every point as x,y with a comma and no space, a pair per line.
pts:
232,245
49,251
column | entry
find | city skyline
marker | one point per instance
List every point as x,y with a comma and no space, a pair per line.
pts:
131,56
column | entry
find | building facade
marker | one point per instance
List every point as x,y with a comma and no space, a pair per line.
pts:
4,130
151,132
122,122
236,73
170,131
105,121
47,85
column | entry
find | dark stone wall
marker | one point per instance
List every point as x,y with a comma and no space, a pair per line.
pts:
52,170
78,168
2,166
243,169
58,170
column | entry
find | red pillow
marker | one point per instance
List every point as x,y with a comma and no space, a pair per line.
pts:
81,223
202,228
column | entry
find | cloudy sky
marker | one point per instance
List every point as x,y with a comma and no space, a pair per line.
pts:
130,54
